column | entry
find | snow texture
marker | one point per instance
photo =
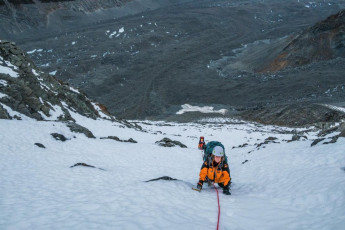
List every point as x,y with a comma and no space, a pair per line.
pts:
35,72
54,113
74,90
100,112
3,82
3,95
9,71
13,113
281,186
53,72
206,109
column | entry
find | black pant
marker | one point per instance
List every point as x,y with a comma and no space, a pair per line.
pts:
222,185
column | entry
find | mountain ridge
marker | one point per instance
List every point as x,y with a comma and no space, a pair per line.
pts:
36,94
323,41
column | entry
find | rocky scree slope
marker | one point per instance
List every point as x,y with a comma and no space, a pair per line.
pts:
295,115
323,41
147,65
28,18
33,93
317,44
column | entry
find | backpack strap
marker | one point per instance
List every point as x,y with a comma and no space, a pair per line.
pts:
209,159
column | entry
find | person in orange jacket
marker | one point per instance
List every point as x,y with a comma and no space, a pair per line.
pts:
216,171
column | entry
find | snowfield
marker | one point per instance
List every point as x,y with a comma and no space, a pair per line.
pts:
281,185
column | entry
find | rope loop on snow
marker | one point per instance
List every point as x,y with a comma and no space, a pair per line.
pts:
218,206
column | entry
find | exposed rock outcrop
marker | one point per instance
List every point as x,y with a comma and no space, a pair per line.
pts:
85,165
293,115
3,113
130,140
21,16
74,127
317,141
40,145
167,142
323,41
28,91
59,137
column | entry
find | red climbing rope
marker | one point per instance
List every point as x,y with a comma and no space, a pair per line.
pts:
218,206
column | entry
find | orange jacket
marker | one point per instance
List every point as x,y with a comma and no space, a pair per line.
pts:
215,173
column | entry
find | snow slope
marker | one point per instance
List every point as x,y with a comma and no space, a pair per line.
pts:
281,186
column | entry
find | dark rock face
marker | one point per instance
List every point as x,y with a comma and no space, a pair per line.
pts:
241,146
333,140
3,113
130,140
325,132
244,161
323,41
167,142
33,93
82,164
85,165
26,90
332,129
50,16
317,141
40,145
59,137
265,143
293,115
342,133
80,129
271,138
162,178
297,137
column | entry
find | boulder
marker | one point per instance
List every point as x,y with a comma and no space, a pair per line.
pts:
74,127
131,140
59,137
4,114
40,145
317,141
85,165
166,142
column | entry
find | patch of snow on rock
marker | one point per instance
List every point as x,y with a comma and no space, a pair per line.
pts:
54,113
3,82
35,72
2,95
13,113
9,71
32,51
44,86
100,112
53,73
74,90
206,109
112,34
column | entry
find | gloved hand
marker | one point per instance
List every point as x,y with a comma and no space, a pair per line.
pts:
226,191
199,186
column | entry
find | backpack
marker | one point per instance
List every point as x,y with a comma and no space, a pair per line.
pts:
208,148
